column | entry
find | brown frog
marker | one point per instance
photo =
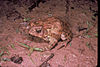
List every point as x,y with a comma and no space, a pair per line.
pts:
51,30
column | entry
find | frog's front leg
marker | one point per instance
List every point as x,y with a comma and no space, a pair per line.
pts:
52,43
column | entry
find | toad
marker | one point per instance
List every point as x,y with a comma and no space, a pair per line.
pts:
51,30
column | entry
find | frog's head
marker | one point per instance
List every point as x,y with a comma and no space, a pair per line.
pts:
36,31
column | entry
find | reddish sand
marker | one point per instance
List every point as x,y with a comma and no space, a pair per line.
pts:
82,50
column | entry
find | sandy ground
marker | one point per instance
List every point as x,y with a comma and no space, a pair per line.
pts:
82,50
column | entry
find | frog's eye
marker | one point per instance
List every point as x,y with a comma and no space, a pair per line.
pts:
38,30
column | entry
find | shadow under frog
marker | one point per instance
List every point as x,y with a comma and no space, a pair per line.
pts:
51,30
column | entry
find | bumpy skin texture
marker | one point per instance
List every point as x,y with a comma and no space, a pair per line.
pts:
51,30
